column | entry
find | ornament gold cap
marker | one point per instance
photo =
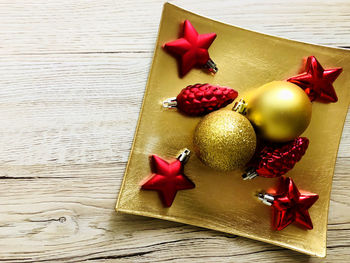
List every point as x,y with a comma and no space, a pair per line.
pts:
249,174
240,107
184,156
170,103
266,199
211,66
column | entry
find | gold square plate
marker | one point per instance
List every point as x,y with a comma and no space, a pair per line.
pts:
223,201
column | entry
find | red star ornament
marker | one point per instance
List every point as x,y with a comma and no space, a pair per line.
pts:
289,205
167,179
192,49
317,82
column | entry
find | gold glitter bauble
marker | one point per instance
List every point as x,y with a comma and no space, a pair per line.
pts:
279,111
224,140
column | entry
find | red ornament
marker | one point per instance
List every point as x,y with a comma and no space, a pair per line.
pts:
168,178
277,159
317,82
192,49
201,99
289,205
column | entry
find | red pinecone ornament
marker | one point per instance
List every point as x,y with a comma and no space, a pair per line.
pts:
200,99
275,160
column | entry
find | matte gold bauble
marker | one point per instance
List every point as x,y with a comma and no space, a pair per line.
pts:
224,140
279,111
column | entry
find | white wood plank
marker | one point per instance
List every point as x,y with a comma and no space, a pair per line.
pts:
45,26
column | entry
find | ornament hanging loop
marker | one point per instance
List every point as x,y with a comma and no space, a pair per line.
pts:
184,156
266,199
170,103
240,107
211,66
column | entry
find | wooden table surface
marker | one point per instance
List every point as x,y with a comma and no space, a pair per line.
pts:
73,73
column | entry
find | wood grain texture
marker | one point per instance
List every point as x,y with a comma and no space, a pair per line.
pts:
72,80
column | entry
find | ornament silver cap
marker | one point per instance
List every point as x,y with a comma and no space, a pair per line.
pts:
170,103
240,107
211,66
249,174
184,156
266,199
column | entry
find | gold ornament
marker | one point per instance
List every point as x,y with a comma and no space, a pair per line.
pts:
279,111
224,140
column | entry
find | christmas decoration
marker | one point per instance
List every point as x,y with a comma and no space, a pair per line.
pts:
224,140
317,82
275,160
289,205
201,99
279,111
192,49
168,178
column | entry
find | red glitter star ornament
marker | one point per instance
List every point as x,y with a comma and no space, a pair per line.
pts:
289,205
192,49
168,178
317,82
